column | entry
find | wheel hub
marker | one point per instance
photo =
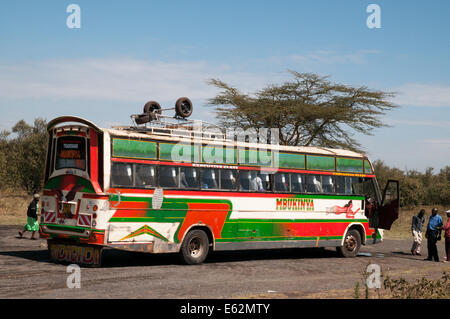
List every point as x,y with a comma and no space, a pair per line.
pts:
195,247
350,243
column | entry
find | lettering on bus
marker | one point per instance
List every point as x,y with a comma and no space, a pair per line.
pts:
86,255
295,204
70,154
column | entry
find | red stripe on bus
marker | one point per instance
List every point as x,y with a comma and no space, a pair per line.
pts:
94,159
211,214
130,209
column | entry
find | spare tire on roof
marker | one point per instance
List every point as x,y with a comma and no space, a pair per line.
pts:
152,107
183,107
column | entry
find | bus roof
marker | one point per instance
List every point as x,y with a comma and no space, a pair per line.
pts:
188,136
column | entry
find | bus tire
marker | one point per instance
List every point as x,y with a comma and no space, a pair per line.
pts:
195,247
152,107
183,107
351,245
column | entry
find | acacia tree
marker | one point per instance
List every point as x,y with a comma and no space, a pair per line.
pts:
309,110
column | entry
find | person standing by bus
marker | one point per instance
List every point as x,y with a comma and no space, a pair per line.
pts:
416,228
32,218
446,229
433,228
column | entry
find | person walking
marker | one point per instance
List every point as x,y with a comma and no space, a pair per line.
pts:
433,228
446,229
32,218
416,228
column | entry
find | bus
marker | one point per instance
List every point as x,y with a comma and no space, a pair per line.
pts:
165,189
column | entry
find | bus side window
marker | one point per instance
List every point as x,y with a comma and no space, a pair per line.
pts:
282,182
256,182
210,178
357,185
189,177
122,174
145,175
343,185
314,184
228,179
369,188
298,183
168,176
244,180
264,182
328,184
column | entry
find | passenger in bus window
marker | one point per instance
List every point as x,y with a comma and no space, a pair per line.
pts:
227,179
256,184
328,184
282,182
340,184
298,183
266,184
313,184
145,175
244,180
189,177
210,178
168,176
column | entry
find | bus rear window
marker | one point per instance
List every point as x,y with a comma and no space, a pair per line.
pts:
71,153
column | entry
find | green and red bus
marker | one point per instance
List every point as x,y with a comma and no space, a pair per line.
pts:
163,190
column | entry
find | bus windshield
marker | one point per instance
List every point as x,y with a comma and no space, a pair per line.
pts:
71,153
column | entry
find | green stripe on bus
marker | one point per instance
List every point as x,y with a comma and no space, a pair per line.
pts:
133,149
322,163
179,152
349,165
288,160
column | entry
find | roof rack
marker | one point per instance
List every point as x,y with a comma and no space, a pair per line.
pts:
176,126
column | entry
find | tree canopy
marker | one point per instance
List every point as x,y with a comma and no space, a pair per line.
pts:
309,110
22,156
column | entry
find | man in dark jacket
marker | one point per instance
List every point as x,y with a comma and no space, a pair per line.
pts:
416,228
32,223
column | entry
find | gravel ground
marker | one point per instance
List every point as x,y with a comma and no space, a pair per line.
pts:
26,272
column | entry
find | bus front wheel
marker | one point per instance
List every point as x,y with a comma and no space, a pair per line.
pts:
351,244
195,247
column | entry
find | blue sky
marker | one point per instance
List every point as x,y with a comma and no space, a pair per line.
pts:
129,52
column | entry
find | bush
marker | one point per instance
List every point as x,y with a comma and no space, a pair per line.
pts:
422,289
417,188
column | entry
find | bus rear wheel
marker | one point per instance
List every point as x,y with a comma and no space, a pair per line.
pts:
195,247
351,244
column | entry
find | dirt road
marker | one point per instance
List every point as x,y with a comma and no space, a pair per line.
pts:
26,272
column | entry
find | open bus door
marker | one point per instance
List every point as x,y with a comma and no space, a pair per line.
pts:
390,205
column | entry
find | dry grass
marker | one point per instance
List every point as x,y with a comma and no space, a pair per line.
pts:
13,207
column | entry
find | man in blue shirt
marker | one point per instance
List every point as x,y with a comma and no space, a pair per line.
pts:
434,227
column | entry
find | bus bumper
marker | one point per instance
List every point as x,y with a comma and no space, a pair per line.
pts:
74,253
